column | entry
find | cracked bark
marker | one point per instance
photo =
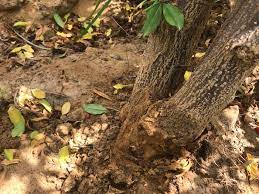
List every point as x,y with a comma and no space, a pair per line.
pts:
179,120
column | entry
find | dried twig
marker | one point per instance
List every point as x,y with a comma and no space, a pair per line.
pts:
29,42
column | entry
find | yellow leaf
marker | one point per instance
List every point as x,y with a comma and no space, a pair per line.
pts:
187,75
8,153
24,94
97,22
27,48
69,26
251,166
21,24
252,170
21,55
65,108
87,36
16,50
27,55
128,7
63,154
15,115
37,136
81,19
199,55
38,93
120,87
249,156
108,32
64,35
18,121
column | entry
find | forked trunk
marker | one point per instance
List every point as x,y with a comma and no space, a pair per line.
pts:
179,120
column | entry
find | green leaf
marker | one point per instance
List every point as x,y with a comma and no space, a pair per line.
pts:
59,20
153,19
21,24
18,121
95,109
8,154
46,104
173,15
99,13
63,154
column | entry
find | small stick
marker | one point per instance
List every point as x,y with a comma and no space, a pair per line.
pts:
29,42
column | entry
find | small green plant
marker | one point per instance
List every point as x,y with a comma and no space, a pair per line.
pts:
159,10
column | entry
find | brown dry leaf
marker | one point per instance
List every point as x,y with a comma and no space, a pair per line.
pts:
10,162
99,93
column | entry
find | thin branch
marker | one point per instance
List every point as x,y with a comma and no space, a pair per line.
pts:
29,42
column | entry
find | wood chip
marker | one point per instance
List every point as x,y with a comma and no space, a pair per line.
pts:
99,93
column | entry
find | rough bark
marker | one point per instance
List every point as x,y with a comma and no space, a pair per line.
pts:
177,121
167,54
169,51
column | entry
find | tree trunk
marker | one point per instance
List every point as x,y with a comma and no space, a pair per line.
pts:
179,120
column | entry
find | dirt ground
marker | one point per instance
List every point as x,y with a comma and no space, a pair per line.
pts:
216,163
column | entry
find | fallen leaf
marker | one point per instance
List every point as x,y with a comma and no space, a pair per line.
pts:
37,135
8,153
81,19
16,49
252,167
46,105
63,154
90,30
21,24
24,95
97,23
69,26
87,36
38,93
18,121
120,87
27,55
99,93
187,75
65,108
95,109
64,35
108,32
59,20
27,48
199,55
